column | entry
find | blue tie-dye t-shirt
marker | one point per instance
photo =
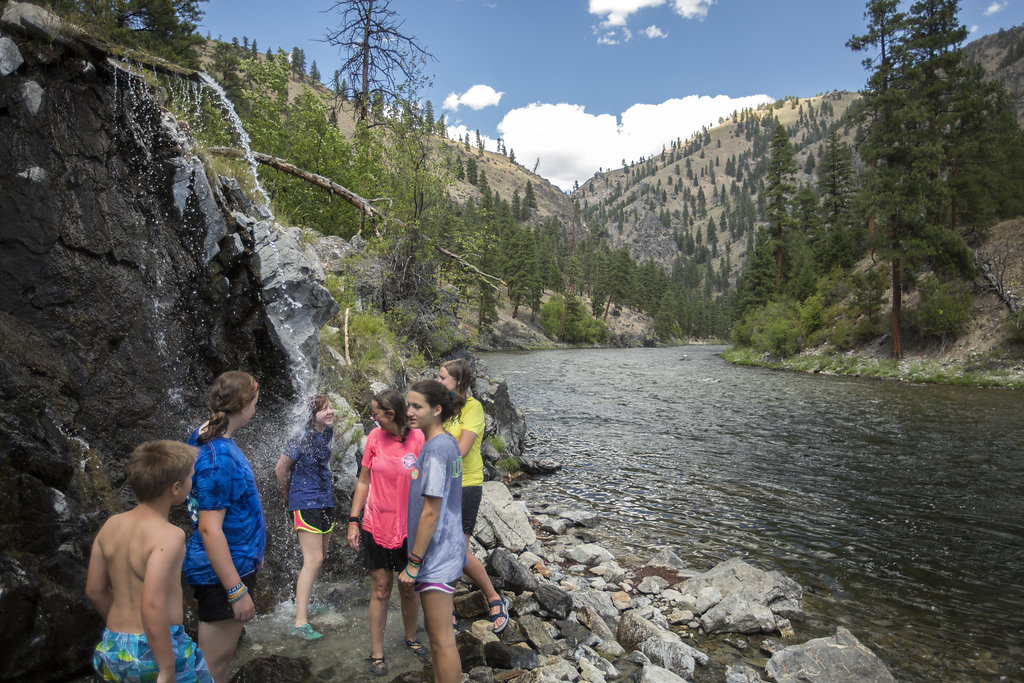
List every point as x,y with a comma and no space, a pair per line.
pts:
224,480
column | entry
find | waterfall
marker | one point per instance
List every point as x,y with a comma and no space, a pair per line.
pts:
243,136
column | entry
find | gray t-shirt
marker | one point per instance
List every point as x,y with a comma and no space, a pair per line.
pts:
438,474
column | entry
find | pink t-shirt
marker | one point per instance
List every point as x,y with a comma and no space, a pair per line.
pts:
391,463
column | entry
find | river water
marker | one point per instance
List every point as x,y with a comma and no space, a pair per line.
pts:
898,507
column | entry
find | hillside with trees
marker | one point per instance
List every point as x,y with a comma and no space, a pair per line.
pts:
785,227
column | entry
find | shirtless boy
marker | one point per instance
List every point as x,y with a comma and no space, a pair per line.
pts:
134,578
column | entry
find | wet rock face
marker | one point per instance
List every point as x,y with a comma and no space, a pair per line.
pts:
124,290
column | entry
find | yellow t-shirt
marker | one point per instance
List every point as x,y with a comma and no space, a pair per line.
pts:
472,419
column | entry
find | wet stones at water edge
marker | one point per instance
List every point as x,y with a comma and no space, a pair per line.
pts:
569,621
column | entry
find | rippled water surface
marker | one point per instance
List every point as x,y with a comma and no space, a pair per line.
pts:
898,507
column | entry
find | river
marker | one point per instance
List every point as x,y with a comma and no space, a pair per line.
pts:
898,507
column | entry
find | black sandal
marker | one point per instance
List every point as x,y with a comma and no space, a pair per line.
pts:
455,622
502,604
418,649
377,666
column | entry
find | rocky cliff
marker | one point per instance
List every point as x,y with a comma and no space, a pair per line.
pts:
127,283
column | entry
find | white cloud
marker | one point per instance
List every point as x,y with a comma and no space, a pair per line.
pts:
572,144
973,29
615,12
692,9
994,8
476,98
653,31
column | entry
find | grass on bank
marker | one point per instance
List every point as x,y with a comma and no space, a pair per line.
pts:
923,371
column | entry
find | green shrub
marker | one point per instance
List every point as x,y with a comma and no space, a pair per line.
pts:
1015,325
510,464
944,309
498,443
776,329
841,335
580,326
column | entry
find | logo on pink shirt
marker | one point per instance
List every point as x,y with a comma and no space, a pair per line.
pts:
409,461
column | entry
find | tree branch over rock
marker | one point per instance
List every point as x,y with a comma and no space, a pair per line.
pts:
365,206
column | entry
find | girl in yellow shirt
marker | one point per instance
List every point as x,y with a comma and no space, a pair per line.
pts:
468,429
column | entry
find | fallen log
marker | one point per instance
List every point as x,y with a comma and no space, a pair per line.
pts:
365,206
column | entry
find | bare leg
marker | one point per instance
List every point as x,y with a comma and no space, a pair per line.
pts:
218,640
437,617
380,595
478,575
410,608
313,548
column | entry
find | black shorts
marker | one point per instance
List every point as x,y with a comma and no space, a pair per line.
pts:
376,557
213,600
314,520
471,496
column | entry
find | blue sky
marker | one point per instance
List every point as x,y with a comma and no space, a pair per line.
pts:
579,85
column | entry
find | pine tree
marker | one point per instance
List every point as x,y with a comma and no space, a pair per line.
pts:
779,190
910,111
314,72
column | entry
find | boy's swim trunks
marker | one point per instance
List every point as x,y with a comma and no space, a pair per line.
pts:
127,657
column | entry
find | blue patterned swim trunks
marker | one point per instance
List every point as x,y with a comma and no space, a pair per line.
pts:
127,658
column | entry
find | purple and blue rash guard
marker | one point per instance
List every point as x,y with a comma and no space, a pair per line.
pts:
311,486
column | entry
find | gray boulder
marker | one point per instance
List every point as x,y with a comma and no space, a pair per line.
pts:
502,521
509,573
589,553
652,673
836,659
536,633
634,629
742,673
297,302
502,656
594,606
652,585
738,613
782,595
667,559
553,599
670,653
10,56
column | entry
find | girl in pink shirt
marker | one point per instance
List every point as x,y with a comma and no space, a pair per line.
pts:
382,495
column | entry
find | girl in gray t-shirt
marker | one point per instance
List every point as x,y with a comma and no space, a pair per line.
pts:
437,548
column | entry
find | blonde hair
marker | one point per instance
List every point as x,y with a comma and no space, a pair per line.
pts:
154,466
229,394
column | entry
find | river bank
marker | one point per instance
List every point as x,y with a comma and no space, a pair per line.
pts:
980,370
579,613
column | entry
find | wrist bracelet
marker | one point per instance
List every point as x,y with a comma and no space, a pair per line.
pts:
408,574
238,595
415,559
353,519
234,589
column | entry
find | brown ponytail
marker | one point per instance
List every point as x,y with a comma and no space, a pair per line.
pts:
229,394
